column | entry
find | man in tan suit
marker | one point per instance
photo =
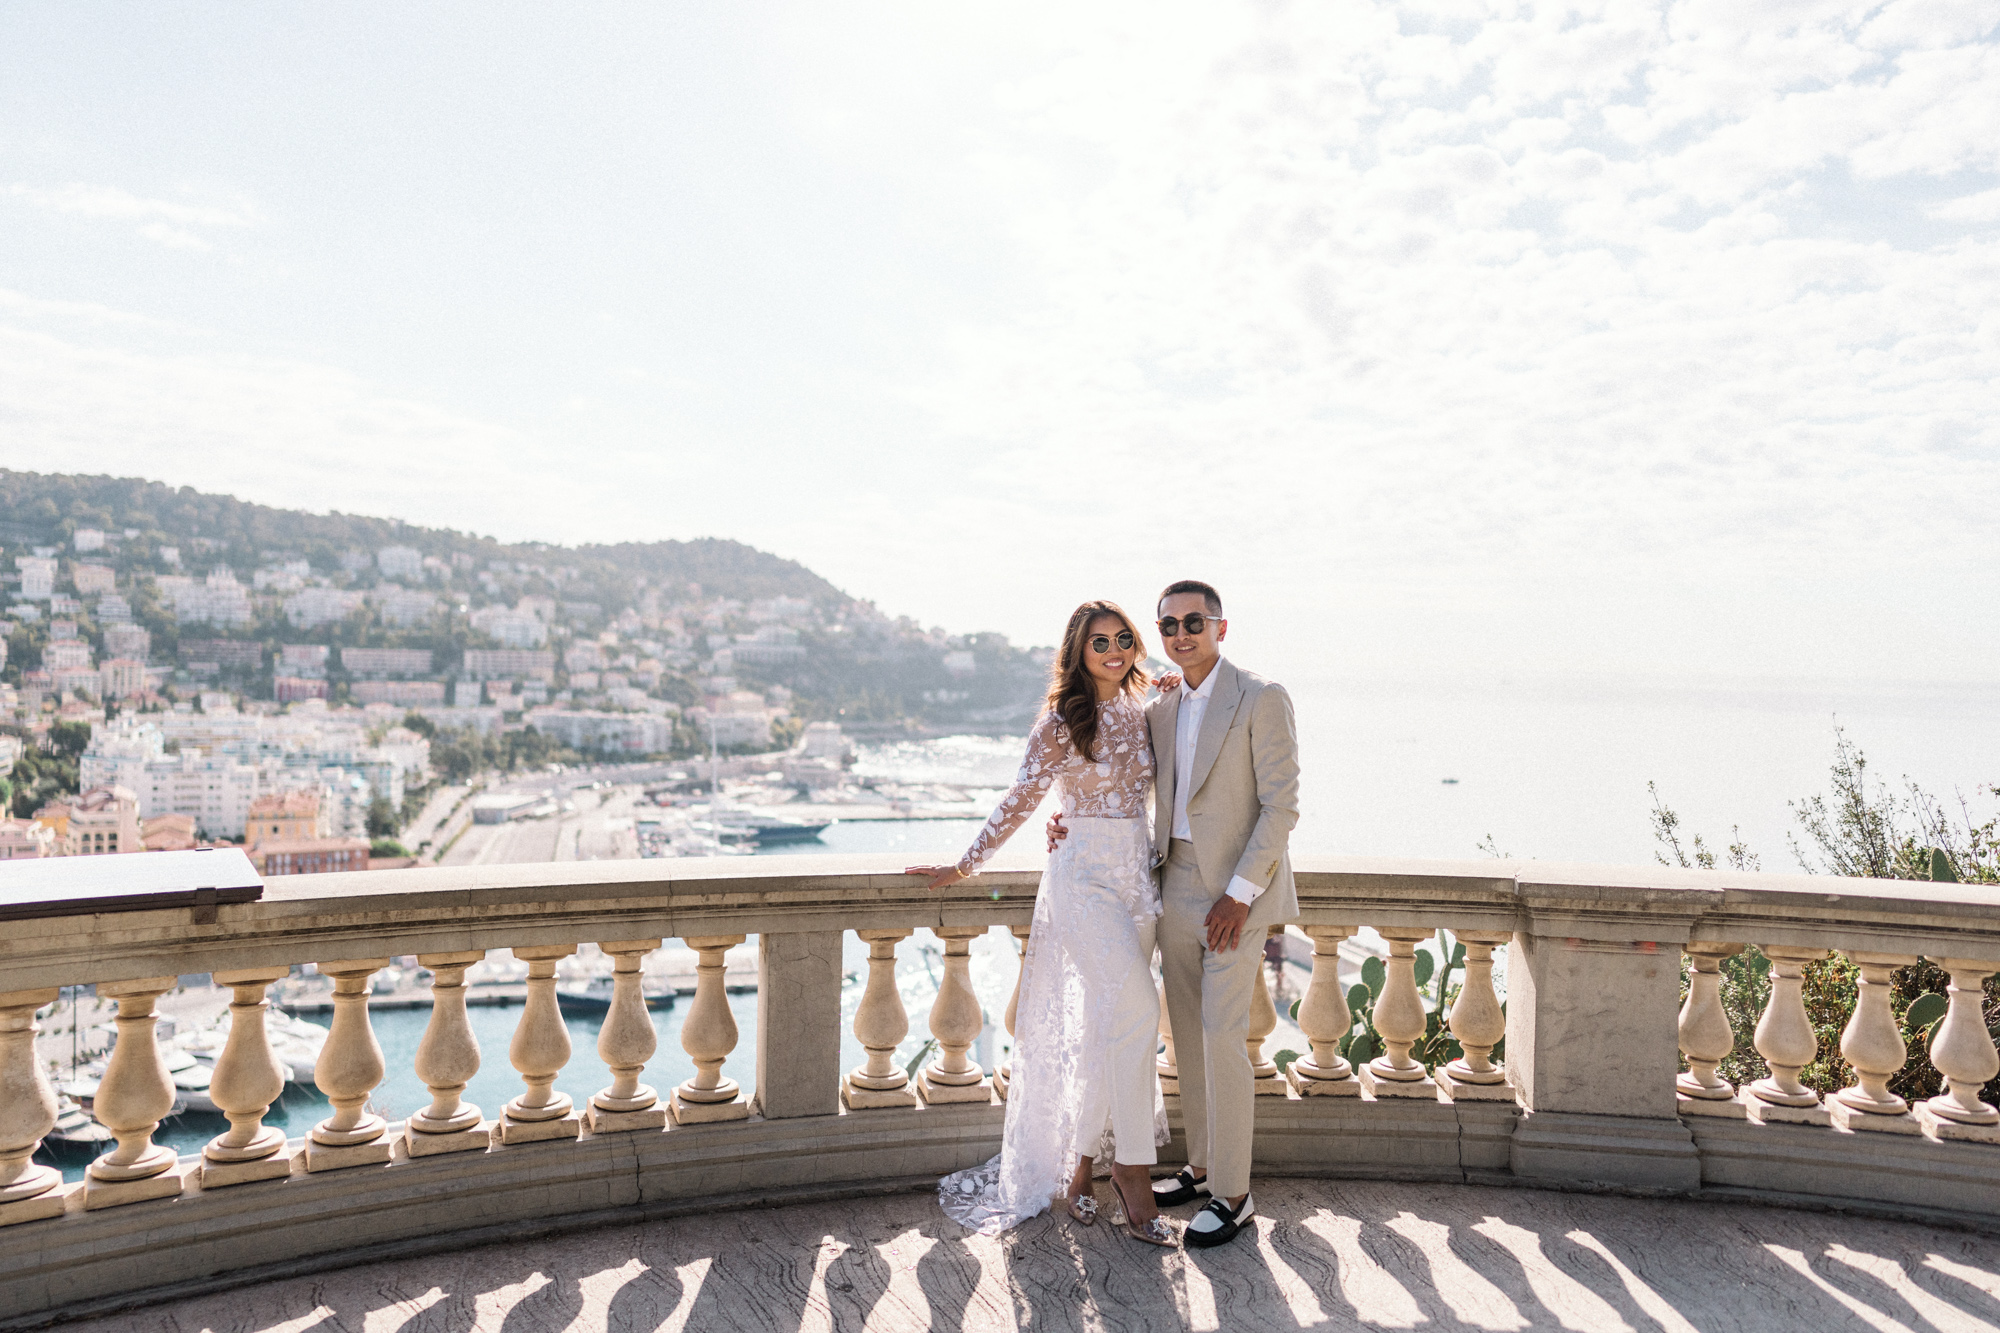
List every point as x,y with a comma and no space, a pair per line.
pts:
1226,800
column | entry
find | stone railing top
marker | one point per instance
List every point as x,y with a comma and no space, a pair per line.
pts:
309,918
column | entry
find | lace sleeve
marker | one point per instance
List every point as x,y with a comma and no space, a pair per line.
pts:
1038,770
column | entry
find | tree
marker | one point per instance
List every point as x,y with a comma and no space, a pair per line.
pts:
1867,831
382,820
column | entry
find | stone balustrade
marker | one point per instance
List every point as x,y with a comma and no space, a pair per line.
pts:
1591,1092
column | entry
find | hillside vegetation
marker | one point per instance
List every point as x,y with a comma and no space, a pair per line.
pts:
676,620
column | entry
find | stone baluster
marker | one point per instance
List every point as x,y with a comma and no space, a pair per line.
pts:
708,1036
28,1191
1705,1035
1478,1022
135,1094
1873,1044
1963,1052
956,1020
539,1051
1400,1020
1324,1018
880,1024
625,1043
1785,1039
1167,1063
1005,1073
447,1060
348,1070
247,1079
1265,1078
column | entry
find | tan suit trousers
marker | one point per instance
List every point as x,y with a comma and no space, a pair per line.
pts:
1208,1007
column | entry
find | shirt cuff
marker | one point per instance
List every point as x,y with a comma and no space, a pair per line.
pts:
1243,890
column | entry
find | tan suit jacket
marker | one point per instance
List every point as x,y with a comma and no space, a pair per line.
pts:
1245,788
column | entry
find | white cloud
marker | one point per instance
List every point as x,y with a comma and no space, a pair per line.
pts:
163,221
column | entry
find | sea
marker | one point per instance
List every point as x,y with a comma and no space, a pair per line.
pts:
1558,768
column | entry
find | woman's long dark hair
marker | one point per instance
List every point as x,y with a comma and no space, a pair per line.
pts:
1073,690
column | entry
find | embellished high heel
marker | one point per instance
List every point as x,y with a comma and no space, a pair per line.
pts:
1154,1231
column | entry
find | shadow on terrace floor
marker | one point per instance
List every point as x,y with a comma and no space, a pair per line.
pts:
1345,1254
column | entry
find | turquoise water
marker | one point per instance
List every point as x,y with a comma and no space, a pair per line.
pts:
401,1092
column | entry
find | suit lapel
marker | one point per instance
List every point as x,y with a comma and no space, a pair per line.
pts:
1215,724
1165,719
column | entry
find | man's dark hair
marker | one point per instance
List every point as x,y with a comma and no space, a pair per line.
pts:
1211,600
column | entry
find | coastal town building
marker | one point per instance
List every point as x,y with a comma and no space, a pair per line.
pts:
603,732
168,833
509,664
21,838
400,562
126,640
102,821
293,816
38,577
311,608
310,856
303,659
120,678
385,663
93,580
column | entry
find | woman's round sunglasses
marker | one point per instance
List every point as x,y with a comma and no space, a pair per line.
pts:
1101,643
1193,624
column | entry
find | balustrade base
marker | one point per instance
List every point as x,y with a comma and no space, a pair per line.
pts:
1727,1108
511,1130
686,1112
935,1094
875,1099
1760,1112
419,1144
1321,1087
1630,1152
600,1121
52,1204
1274,1086
114,1193
1853,1118
1934,1126
323,1157
217,1175
1458,1090
1170,1085
1375,1085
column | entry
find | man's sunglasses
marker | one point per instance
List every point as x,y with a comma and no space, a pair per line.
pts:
1194,624
1101,643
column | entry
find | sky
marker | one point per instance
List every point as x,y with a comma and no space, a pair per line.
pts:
1653,340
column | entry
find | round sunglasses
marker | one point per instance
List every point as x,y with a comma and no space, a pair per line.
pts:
1194,624
1101,643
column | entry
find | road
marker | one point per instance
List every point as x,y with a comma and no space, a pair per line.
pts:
594,823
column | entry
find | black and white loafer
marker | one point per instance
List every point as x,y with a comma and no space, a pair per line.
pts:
1179,1188
1218,1223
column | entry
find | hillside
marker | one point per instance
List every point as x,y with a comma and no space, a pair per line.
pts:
222,587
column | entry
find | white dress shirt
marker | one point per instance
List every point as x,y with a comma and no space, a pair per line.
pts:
1187,735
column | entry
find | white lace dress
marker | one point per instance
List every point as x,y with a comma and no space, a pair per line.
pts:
1086,1026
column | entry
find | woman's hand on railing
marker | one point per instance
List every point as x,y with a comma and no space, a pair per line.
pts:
940,876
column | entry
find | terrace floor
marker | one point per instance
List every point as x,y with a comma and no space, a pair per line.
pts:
1338,1253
